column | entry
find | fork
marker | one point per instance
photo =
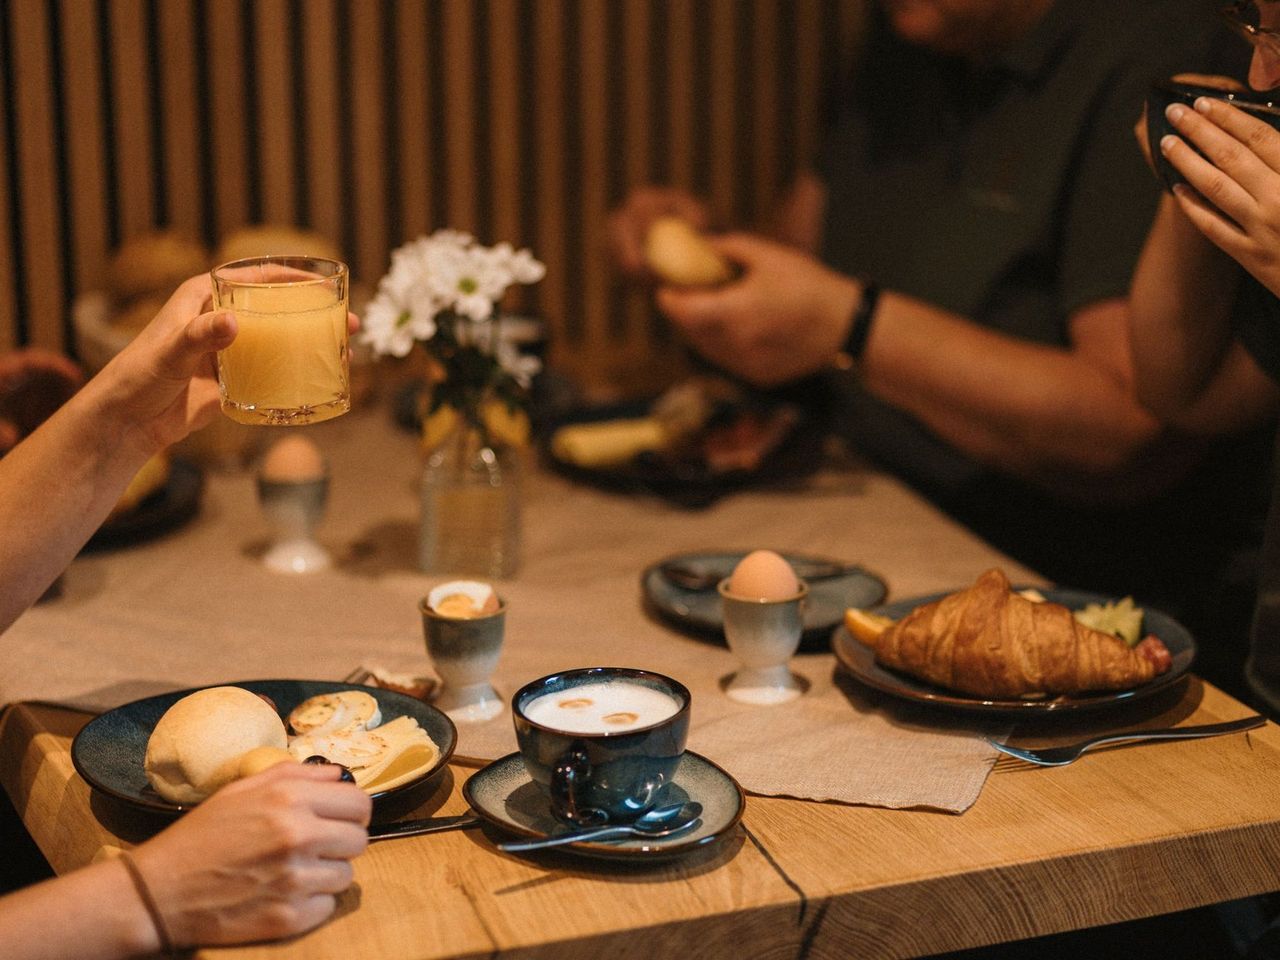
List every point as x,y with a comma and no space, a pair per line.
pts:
1060,756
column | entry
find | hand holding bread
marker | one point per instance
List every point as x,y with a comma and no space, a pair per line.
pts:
677,253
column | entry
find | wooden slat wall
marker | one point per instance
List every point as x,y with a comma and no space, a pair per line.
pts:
374,121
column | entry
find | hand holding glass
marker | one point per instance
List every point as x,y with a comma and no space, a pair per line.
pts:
289,362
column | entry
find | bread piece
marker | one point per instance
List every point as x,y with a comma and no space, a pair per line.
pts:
264,240
197,745
991,642
153,264
678,254
607,443
150,479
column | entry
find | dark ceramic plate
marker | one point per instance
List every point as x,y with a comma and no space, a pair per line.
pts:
859,660
109,751
699,611
503,794
689,483
166,509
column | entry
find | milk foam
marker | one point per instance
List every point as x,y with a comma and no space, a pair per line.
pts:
602,707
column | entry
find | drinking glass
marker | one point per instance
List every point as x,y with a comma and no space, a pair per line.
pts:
289,363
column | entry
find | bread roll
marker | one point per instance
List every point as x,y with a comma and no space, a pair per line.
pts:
678,254
198,744
266,240
153,264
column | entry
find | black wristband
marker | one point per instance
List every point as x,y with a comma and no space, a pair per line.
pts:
860,326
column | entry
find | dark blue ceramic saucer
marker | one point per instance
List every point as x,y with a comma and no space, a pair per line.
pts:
503,794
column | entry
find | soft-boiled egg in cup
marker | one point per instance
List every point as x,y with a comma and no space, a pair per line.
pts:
763,575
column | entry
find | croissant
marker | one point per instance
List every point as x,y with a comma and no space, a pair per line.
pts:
991,642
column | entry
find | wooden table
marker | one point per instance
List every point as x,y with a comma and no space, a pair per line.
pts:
1127,833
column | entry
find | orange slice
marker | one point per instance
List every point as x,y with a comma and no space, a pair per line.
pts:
866,626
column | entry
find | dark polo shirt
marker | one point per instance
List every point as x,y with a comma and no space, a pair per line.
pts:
1258,328
1014,193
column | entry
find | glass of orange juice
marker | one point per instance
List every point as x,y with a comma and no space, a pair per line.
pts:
289,363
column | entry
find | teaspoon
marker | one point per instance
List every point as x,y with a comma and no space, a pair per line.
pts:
659,822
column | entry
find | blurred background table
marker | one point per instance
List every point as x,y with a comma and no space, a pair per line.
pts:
1125,834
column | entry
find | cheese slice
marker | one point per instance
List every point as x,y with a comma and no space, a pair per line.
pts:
378,758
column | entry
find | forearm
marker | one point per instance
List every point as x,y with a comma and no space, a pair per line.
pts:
1180,315
1029,409
56,488
90,914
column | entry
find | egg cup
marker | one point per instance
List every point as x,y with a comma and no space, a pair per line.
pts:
294,508
763,635
464,652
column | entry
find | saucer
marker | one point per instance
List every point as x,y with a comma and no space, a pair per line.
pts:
503,794
699,611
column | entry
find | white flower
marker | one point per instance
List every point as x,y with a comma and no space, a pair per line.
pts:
521,366
449,271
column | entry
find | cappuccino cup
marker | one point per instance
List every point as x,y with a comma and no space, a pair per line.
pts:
602,742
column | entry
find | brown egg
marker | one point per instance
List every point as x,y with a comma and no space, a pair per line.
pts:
763,575
293,459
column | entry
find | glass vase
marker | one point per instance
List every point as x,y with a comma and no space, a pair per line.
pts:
470,506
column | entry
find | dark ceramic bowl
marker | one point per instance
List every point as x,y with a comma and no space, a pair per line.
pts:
1166,92
602,777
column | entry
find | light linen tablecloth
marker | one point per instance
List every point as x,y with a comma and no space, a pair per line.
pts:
197,607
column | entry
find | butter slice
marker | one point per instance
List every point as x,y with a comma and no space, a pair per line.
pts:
609,442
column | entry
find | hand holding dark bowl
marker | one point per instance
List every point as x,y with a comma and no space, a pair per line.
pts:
1164,93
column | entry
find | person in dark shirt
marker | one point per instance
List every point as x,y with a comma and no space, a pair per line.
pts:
1206,333
963,247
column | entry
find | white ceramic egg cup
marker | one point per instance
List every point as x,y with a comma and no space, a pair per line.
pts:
764,635
294,508
464,652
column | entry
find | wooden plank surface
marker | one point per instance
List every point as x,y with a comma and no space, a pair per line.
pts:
1131,832
133,115
228,106
276,111
184,170
85,144
413,103
8,272
366,198
325,126
131,89
36,144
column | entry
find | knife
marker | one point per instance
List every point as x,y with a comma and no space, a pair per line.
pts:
411,828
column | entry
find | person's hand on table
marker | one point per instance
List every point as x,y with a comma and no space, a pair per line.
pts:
263,858
629,224
1236,197
785,317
